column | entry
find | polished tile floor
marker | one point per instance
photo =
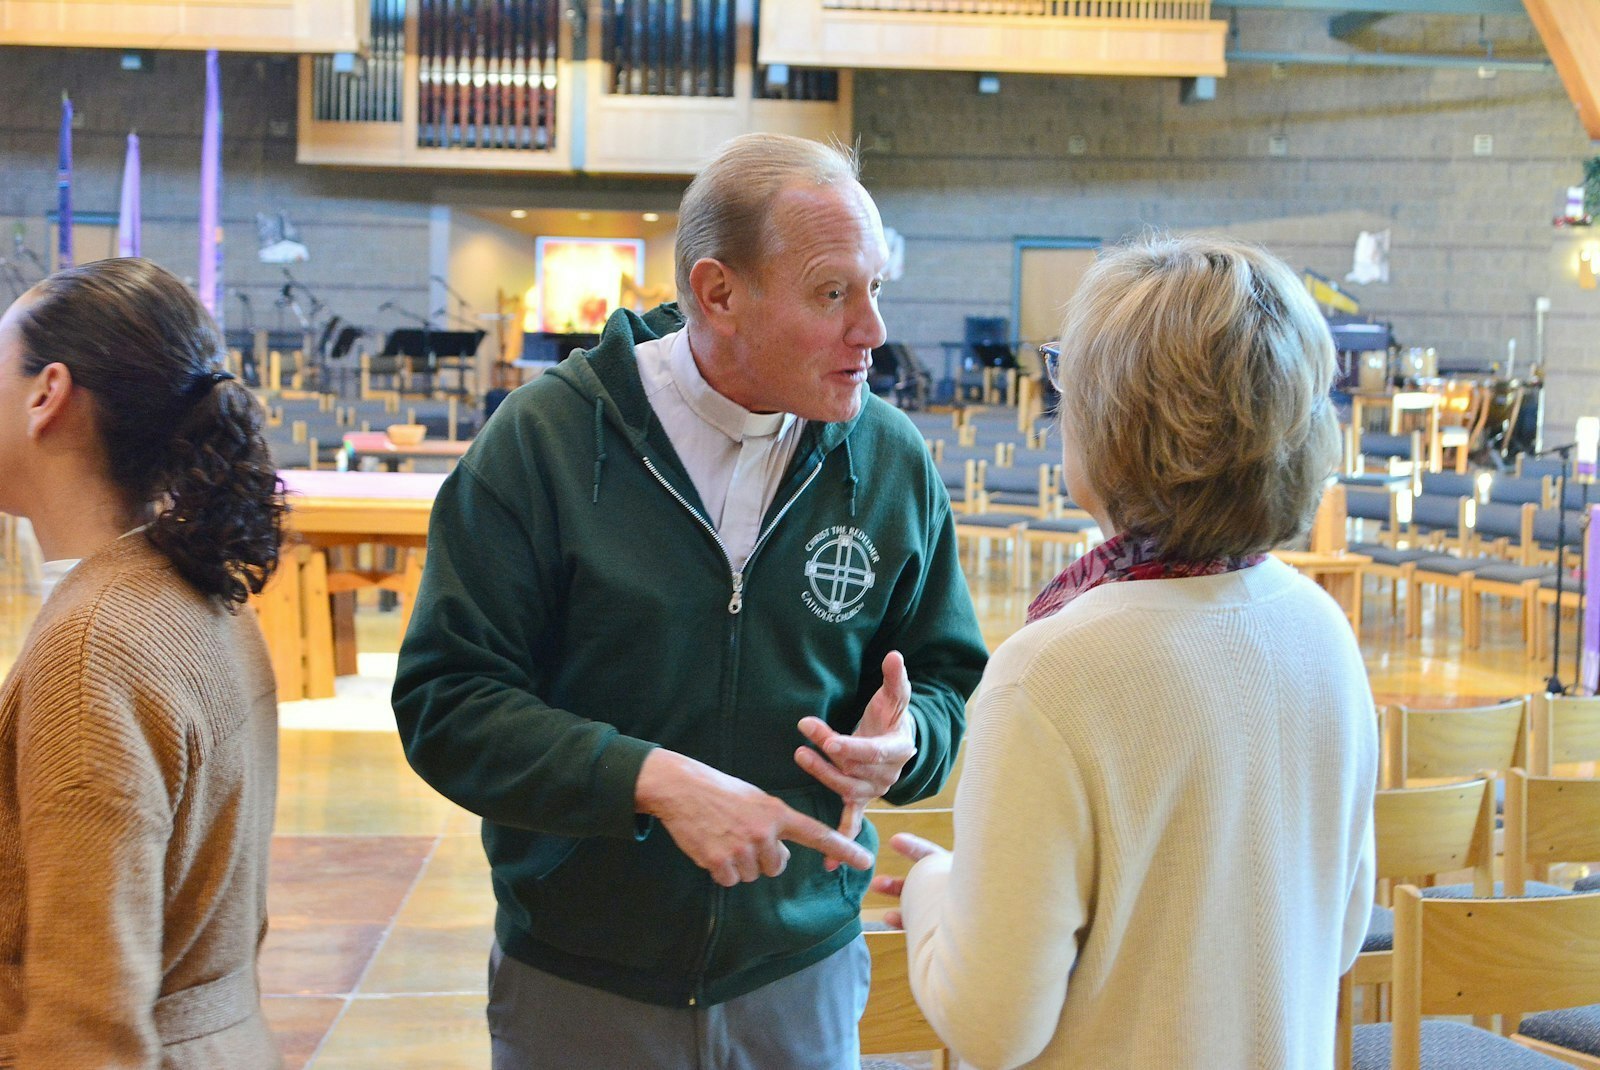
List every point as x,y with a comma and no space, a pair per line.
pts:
380,899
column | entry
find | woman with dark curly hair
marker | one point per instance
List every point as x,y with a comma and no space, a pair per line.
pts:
138,728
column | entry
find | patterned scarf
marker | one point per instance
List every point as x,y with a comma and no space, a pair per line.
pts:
1125,558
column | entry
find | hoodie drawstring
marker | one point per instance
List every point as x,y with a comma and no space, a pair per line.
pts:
599,447
850,477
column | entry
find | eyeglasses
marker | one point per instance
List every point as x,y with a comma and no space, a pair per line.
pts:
1051,352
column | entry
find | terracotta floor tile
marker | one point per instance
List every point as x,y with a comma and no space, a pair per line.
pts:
408,1033
300,1023
432,958
322,879
454,887
315,959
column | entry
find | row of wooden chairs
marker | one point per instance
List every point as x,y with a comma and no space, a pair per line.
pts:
1425,829
1469,951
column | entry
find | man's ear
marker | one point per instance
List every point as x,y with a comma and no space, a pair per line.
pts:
49,395
714,287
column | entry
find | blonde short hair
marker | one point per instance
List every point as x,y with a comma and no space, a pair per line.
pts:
726,211
1194,379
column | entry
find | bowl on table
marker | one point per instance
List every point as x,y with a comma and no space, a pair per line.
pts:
406,434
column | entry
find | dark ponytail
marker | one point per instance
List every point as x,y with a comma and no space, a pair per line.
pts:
178,434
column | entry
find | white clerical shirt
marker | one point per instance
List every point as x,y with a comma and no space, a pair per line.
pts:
734,457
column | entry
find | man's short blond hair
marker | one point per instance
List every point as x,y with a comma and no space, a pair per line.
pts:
1194,378
726,211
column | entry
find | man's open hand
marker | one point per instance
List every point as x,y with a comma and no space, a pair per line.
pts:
864,765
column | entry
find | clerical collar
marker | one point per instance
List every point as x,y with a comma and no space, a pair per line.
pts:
724,414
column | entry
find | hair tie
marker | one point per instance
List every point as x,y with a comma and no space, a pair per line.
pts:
205,383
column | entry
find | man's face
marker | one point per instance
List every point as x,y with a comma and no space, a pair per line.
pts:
808,321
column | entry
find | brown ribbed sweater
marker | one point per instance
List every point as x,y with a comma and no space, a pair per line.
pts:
138,761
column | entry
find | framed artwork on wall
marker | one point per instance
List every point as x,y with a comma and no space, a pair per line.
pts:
578,282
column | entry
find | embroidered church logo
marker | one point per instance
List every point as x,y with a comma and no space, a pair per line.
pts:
839,572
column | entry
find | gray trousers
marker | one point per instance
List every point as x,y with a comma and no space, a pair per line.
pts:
806,1021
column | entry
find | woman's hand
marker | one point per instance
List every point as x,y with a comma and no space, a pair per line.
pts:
915,848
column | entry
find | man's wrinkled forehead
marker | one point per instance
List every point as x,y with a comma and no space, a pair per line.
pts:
813,215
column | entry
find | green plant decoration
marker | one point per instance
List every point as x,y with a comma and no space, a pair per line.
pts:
1591,187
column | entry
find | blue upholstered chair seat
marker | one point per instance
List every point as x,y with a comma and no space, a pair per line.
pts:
987,520
1387,555
1009,497
1381,480
1449,566
1577,1028
1535,890
1513,573
1380,930
1378,444
1063,524
1449,1046
1570,583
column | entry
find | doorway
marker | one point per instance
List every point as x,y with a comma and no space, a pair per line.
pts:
1048,273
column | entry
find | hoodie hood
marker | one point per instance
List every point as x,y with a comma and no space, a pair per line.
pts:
609,375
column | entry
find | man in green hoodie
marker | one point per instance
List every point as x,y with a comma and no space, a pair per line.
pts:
692,600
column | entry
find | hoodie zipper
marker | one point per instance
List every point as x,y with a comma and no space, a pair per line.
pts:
735,607
736,602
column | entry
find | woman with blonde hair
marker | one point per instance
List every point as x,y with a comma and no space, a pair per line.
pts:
1163,831
138,727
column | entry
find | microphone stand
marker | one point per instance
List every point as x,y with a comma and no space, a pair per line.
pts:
462,304
1554,686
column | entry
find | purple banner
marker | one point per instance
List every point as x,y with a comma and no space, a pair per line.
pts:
128,222
64,188
1589,663
210,192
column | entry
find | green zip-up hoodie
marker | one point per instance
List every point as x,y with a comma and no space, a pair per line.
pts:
578,610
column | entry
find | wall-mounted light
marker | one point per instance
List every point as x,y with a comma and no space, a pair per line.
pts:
651,217
1589,265
519,213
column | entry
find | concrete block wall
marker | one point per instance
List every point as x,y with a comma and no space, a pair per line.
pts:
964,176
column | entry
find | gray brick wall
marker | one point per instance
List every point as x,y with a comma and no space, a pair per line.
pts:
962,176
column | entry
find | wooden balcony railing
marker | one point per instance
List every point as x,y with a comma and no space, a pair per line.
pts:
1043,9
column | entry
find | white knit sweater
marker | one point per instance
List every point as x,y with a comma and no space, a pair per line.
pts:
1163,834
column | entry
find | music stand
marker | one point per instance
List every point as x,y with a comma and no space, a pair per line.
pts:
429,350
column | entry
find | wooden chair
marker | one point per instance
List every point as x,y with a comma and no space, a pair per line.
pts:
1419,833
1463,414
1419,411
892,1022
1562,730
1549,820
1571,597
10,548
293,611
1481,957
935,825
1432,745
1552,820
